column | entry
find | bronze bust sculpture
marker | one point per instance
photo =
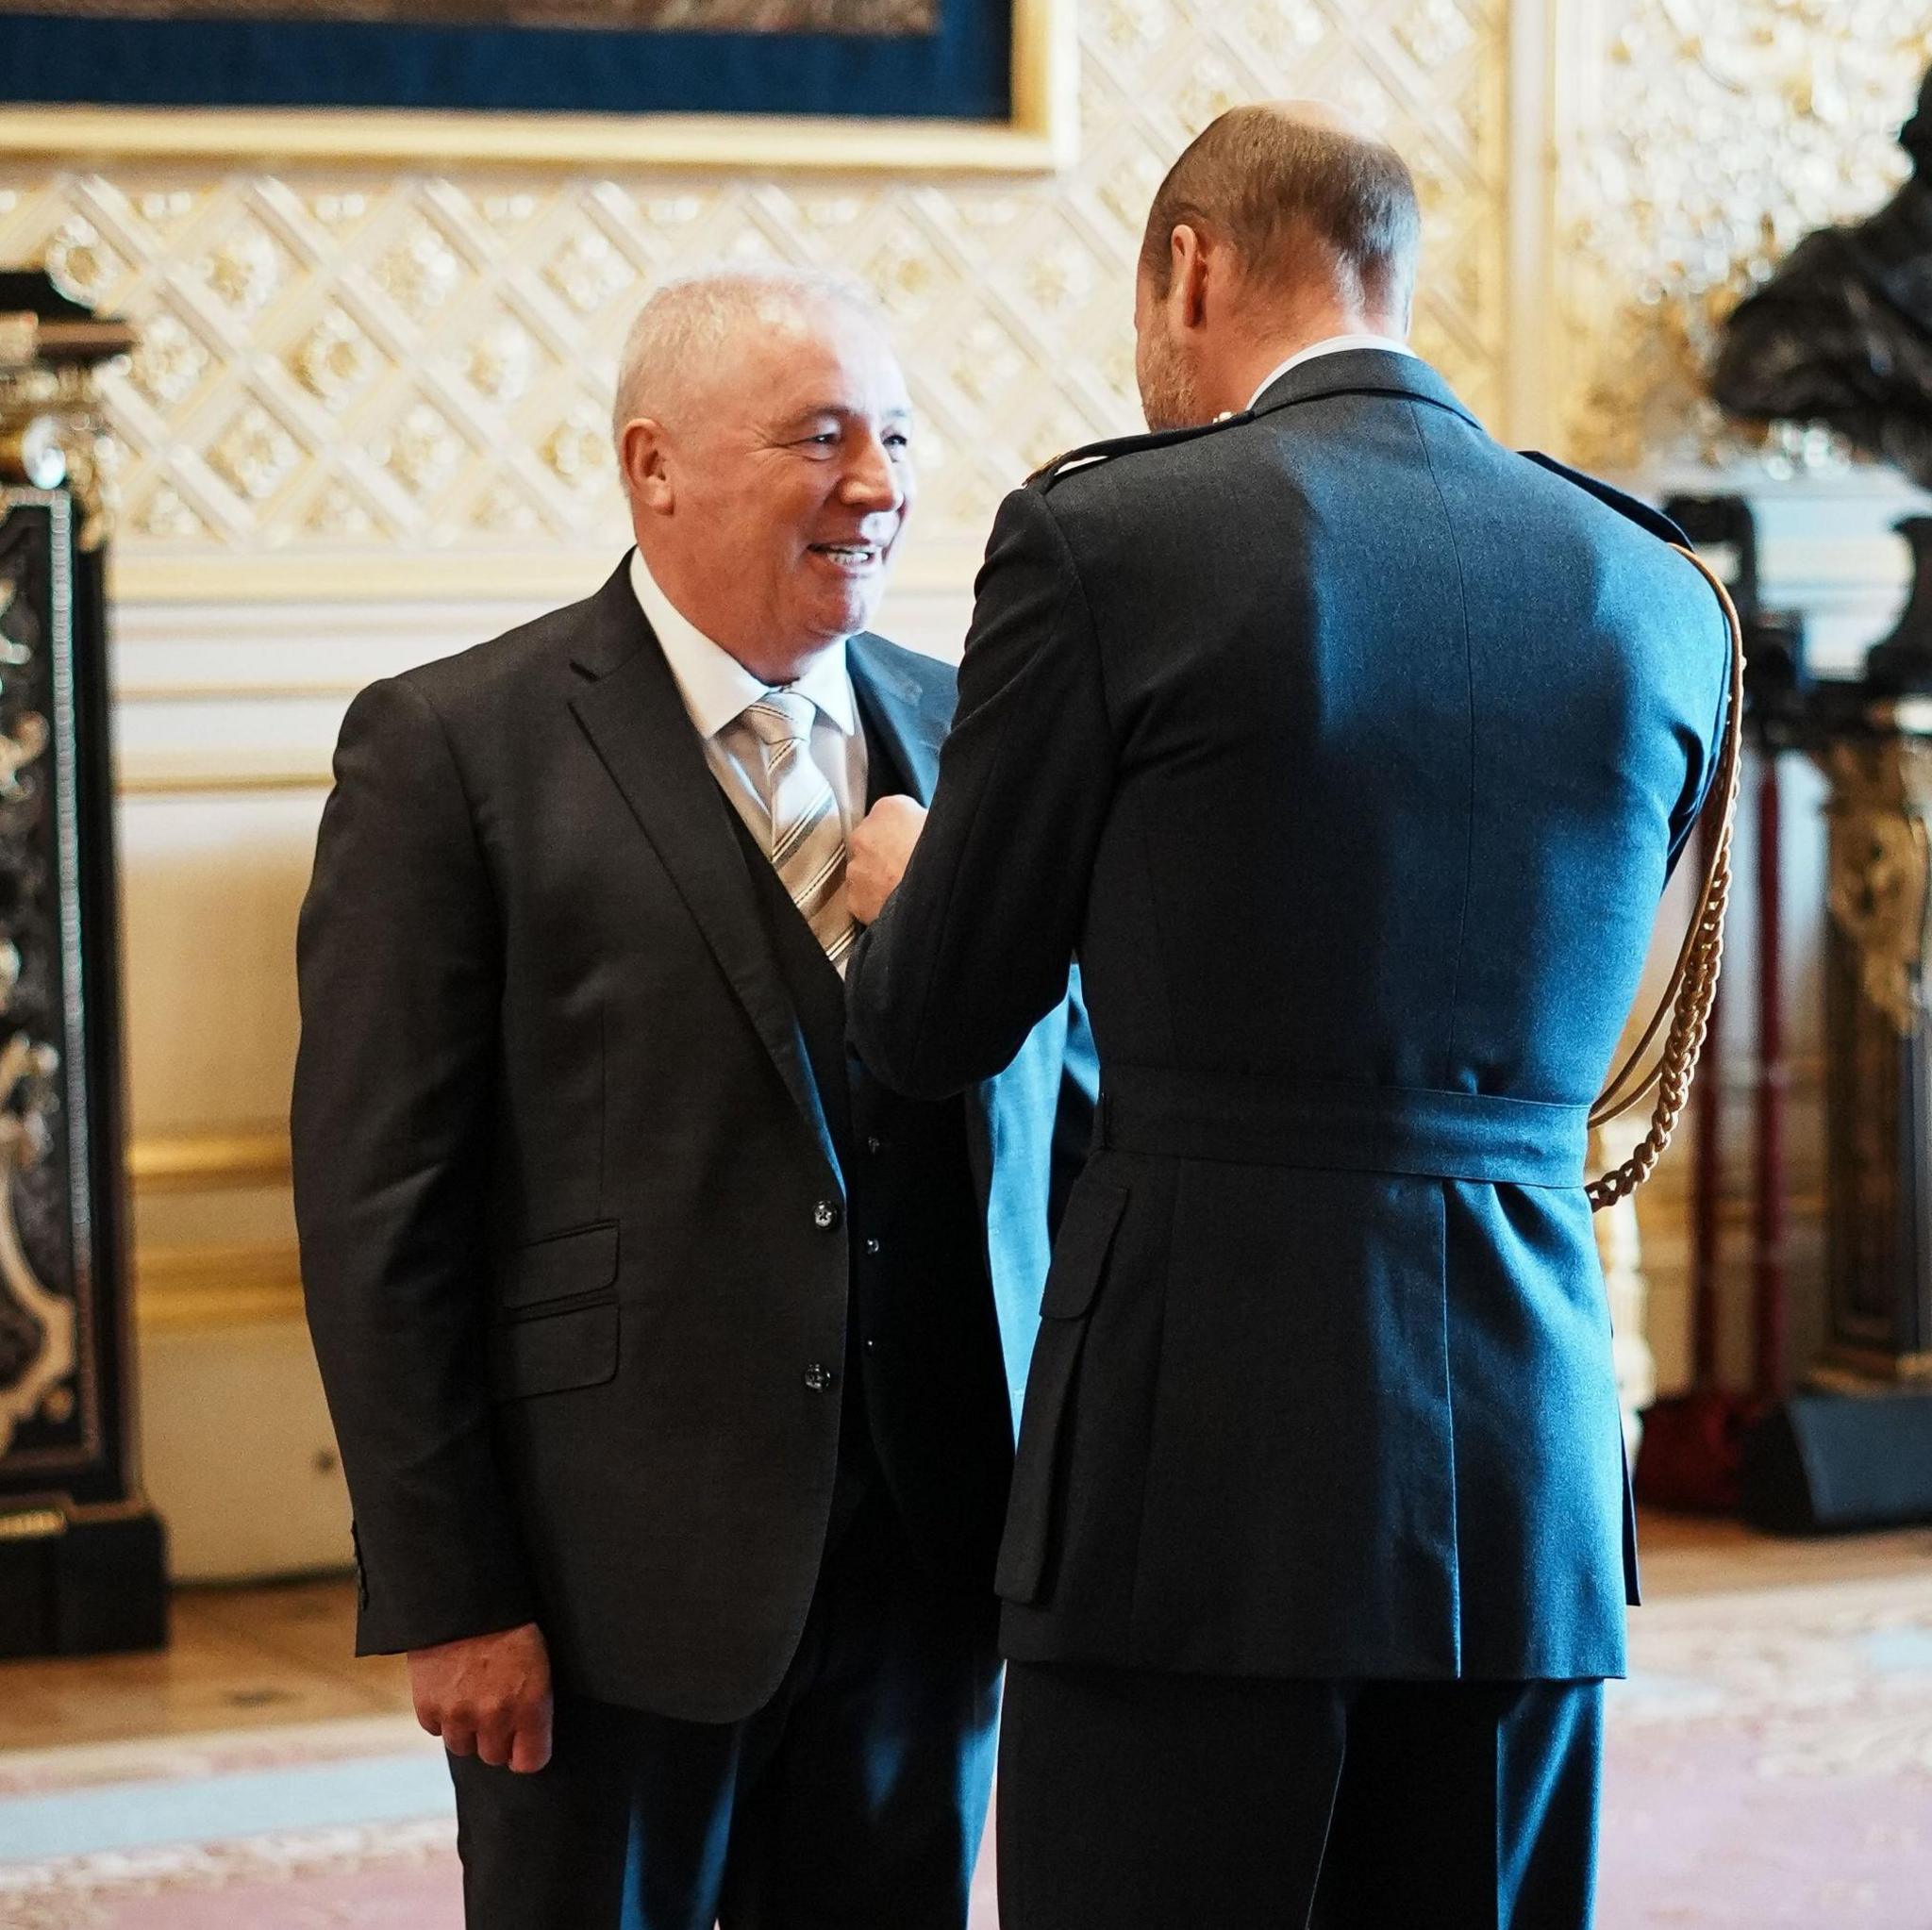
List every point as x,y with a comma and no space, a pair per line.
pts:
1841,332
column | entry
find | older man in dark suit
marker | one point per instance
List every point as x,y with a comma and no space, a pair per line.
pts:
673,1360
1349,752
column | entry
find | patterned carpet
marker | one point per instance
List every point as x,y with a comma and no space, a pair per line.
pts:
1771,1764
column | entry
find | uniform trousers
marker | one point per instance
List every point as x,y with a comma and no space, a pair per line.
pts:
1138,1801
854,1799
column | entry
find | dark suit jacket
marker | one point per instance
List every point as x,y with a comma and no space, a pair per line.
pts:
1349,751
579,1211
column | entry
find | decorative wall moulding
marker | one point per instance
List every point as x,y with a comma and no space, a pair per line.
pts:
401,575
234,1158
204,777
199,1286
1040,132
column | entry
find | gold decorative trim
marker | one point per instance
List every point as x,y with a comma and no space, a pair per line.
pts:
1879,885
1041,137
196,1287
237,692
32,1524
205,1162
316,775
216,578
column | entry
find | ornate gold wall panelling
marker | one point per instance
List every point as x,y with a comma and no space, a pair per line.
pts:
358,381
1696,142
346,364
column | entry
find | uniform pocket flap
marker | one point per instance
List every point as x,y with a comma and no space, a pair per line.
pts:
554,1353
580,1261
1079,1254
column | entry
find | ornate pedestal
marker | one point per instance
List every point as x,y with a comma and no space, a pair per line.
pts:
1878,1036
82,1566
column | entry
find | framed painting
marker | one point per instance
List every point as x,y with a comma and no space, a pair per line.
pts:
950,85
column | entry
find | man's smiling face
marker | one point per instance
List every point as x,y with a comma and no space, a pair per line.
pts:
783,485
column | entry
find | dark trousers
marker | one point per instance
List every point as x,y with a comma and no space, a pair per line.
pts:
1131,1799
854,1799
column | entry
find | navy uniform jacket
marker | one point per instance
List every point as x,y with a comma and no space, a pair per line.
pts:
590,1226
1349,751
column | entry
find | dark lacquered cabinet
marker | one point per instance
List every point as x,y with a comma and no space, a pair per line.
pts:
81,1553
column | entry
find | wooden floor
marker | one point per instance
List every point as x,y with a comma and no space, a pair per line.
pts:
283,1654
239,1658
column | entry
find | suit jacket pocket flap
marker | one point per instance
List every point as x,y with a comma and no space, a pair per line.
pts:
580,1261
554,1353
1079,1254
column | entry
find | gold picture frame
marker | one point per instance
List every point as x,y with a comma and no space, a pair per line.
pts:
1041,136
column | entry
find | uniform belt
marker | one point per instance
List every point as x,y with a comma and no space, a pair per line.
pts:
1415,1130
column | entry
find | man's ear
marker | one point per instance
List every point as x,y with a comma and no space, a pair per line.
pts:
1187,287
641,455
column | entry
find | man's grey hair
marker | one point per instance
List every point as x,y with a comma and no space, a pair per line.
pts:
686,322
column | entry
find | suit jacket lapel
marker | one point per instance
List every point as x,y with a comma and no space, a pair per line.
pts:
631,711
896,713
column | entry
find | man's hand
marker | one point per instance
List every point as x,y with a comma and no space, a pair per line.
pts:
488,1695
878,852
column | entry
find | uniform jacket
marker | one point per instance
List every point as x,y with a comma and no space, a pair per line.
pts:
584,1206
1349,752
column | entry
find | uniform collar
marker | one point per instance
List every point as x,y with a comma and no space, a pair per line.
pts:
1330,346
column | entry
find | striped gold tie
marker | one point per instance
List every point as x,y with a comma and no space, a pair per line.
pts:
808,839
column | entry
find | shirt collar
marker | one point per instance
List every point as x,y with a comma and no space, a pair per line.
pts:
1333,345
828,684
715,686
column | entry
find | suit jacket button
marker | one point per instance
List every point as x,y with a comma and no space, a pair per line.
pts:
872,1246
875,1145
819,1379
824,1216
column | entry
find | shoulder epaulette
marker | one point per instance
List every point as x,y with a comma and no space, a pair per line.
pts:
1090,453
1631,507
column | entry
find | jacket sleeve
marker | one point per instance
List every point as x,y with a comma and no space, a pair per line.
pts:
973,948
399,964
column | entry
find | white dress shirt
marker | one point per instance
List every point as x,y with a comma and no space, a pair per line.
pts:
1332,345
716,688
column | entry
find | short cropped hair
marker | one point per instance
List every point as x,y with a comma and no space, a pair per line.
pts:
686,321
1265,182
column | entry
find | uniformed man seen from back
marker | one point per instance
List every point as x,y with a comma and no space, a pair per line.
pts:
1349,752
